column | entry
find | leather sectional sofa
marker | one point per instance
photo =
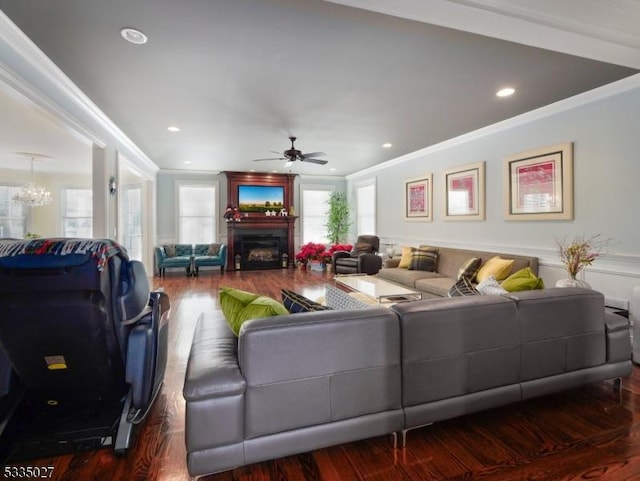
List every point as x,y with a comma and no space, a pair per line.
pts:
437,284
295,383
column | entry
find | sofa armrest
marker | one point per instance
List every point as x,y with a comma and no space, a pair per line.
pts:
618,337
339,255
160,254
369,263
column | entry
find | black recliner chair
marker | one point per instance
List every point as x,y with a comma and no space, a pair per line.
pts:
83,346
363,258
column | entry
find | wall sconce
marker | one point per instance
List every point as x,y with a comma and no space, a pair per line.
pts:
113,187
285,260
238,259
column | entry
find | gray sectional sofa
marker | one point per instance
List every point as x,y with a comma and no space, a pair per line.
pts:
291,384
437,284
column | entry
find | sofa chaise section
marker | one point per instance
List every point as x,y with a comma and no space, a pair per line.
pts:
466,354
290,384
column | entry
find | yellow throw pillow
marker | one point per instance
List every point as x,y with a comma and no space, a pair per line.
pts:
496,266
405,260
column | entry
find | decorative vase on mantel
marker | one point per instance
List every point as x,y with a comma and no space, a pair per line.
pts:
573,282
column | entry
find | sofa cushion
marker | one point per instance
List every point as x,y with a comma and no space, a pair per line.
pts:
469,268
424,260
239,306
405,259
523,280
496,266
464,287
491,287
438,286
362,248
406,277
295,302
213,249
170,250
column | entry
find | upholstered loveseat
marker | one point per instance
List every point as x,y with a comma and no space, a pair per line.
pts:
209,255
449,260
173,255
294,383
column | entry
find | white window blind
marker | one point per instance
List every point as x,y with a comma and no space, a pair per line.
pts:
13,216
314,215
77,218
196,214
132,215
366,209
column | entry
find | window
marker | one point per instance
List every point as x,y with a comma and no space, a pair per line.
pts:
196,214
366,208
13,216
77,217
314,214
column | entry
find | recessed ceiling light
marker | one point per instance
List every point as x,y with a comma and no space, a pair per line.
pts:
332,169
252,170
188,162
387,145
173,128
133,35
505,92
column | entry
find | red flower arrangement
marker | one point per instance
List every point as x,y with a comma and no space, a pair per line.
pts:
311,252
319,252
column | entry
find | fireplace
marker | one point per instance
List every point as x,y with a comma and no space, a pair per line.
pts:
257,240
260,248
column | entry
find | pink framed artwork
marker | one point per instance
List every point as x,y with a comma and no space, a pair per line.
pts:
539,184
418,198
464,192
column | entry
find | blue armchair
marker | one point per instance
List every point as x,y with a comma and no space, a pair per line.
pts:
173,255
209,255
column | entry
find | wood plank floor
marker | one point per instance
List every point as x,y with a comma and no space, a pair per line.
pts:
582,434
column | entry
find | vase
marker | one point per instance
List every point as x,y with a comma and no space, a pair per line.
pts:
301,267
316,266
573,282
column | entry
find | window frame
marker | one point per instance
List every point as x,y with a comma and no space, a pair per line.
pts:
215,185
361,185
311,187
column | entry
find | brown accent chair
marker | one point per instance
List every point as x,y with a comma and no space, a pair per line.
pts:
363,258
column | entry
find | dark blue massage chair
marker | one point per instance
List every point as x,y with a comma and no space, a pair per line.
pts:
83,346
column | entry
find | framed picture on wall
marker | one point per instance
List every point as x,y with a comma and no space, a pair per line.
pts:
538,184
464,192
418,193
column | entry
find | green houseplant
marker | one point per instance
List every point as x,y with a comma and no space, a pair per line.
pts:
338,218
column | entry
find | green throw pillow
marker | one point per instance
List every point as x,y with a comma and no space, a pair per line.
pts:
522,280
239,306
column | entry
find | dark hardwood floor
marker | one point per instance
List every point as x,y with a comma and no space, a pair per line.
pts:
582,434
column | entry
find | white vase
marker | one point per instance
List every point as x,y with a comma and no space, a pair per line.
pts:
573,283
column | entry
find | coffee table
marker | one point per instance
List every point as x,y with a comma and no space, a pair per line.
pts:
379,290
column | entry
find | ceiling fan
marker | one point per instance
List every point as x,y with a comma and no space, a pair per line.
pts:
292,154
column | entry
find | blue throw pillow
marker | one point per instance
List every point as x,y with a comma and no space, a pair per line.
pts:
295,303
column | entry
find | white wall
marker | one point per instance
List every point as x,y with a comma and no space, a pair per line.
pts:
604,126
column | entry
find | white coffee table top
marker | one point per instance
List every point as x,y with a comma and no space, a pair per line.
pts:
378,289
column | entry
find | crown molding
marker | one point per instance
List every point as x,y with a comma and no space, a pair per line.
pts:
50,89
600,93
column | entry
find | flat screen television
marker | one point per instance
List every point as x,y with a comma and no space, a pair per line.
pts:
260,198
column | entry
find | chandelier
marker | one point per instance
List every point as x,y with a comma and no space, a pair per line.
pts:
32,194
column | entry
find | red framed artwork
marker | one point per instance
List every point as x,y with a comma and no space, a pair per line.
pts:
418,198
464,191
539,184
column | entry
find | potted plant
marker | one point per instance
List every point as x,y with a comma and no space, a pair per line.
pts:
338,218
577,254
312,253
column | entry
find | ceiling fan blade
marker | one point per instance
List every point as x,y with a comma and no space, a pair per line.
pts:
315,161
313,154
273,158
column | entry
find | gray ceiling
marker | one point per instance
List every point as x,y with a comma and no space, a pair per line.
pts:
239,76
